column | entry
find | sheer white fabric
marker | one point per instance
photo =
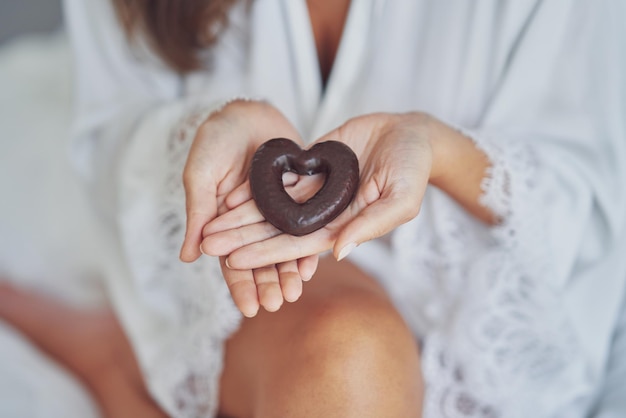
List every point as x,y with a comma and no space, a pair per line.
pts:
514,320
182,364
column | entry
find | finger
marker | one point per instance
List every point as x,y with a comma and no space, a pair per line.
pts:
242,289
225,242
307,266
242,193
285,247
201,208
290,280
246,214
305,187
268,288
376,220
281,248
239,195
289,178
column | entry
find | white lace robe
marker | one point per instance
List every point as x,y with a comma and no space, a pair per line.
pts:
515,320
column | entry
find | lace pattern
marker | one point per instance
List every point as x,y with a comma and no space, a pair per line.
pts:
190,301
495,342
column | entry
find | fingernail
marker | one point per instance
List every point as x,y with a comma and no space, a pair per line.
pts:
346,250
250,313
201,250
273,307
227,263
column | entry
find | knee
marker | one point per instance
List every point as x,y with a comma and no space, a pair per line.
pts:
353,349
356,332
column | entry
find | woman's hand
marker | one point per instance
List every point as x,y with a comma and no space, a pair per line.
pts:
396,157
217,164
219,158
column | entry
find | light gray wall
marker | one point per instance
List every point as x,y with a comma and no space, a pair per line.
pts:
19,17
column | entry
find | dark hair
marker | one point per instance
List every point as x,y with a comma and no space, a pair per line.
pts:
176,29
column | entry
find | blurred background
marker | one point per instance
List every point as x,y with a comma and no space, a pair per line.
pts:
46,234
46,238
18,17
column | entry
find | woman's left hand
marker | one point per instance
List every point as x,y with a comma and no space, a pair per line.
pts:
395,156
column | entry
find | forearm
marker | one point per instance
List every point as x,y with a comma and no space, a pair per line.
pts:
459,168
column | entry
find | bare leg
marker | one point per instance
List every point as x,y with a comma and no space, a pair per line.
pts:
341,351
90,344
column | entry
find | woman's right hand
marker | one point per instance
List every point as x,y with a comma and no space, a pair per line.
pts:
219,159
218,162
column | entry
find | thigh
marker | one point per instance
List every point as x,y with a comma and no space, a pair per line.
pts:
31,382
339,307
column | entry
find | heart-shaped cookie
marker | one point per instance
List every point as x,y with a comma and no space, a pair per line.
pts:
280,155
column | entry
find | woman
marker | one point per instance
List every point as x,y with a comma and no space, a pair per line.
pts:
498,123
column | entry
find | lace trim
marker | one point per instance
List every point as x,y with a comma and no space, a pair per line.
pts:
495,341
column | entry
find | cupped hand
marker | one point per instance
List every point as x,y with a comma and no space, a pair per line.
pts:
219,158
395,158
217,164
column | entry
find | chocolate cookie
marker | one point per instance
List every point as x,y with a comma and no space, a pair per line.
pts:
280,155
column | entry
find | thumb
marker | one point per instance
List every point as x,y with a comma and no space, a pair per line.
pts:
375,220
201,205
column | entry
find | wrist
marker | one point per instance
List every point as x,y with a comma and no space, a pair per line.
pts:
242,107
459,168
439,142
451,151
239,114
435,137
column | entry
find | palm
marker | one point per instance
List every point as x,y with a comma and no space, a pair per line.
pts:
217,165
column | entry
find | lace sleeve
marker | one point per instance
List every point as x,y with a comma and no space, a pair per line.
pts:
496,339
515,328
186,309
509,190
